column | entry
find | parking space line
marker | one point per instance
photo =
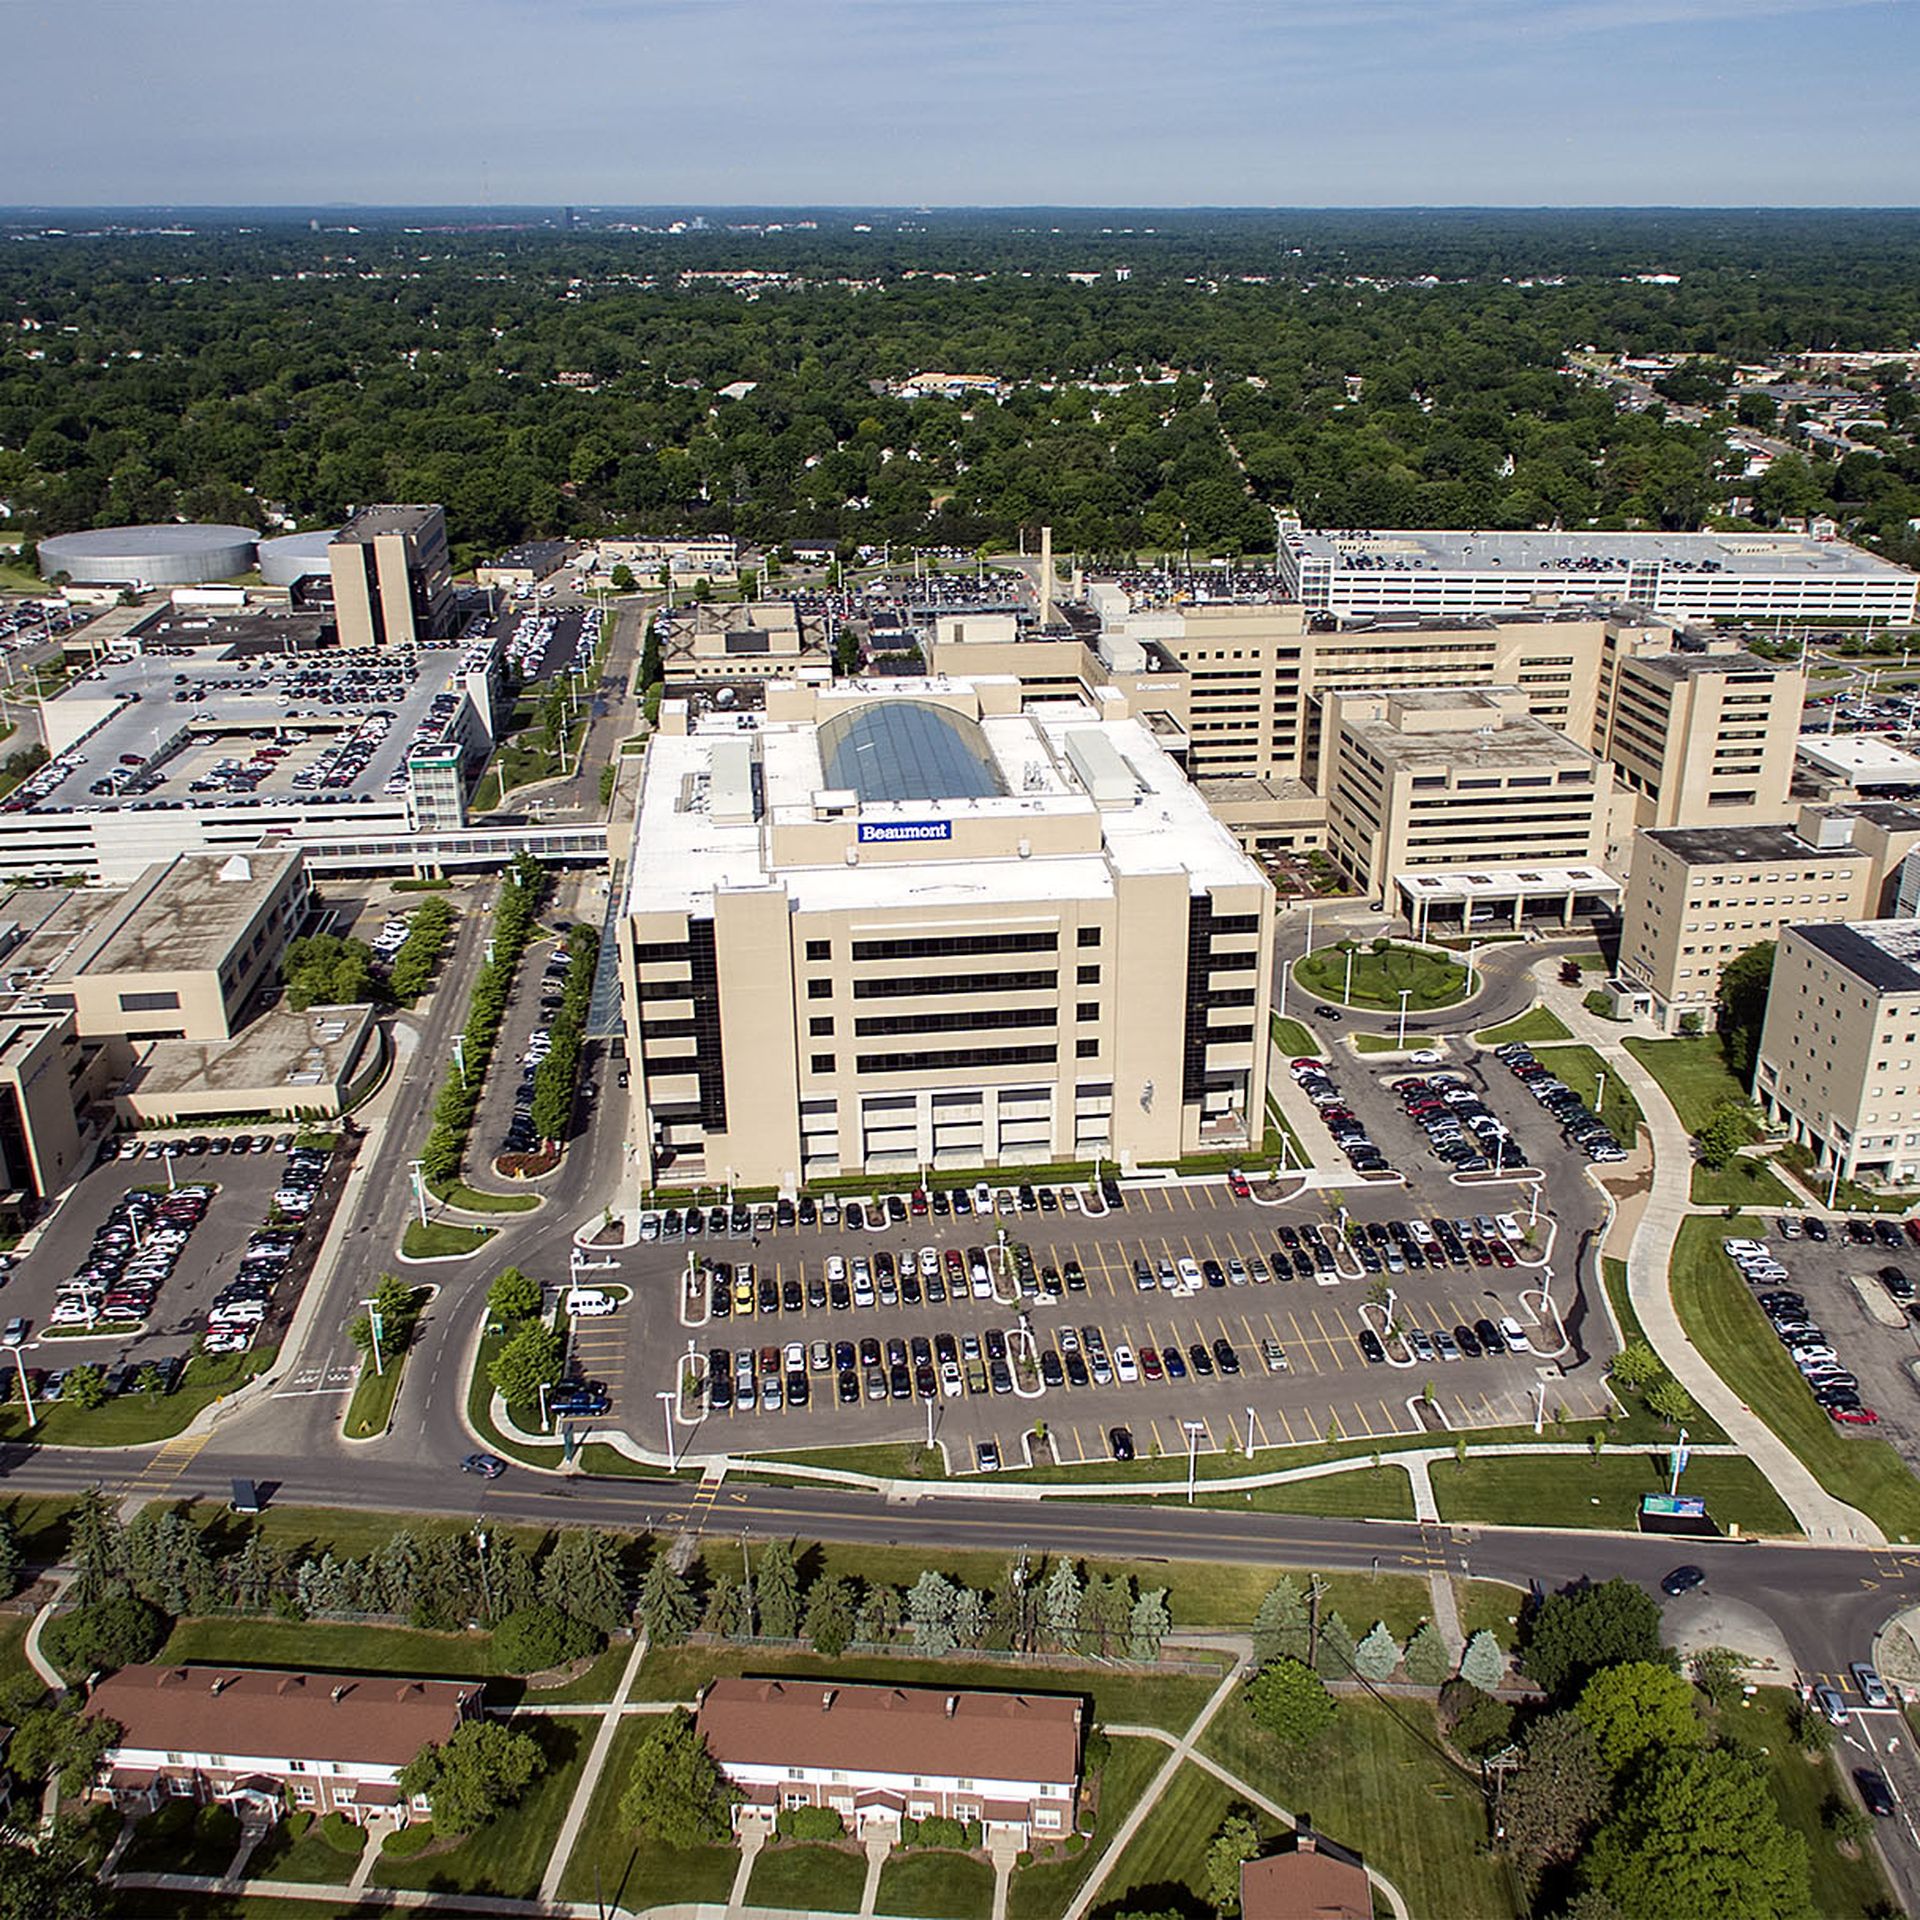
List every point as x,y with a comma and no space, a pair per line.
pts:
1286,1425
1393,1424
1339,1359
1304,1345
1153,1426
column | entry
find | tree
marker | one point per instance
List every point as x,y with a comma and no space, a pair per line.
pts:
1060,1605
1104,1610
1553,1800
1587,1626
481,1769
395,1307
1741,1003
86,1388
1237,1842
621,578
828,1624
533,1358
1636,1367
61,1738
930,1613
1477,1722
878,1619
1724,1132
48,1882
1280,1623
666,1608
581,1578
971,1616
676,1793
1719,1673
1291,1702
1378,1654
514,1296
1148,1624
323,969
1333,1657
535,1638
776,1589
1696,1835
1484,1662
1846,1820
1426,1659
1668,1400
119,1631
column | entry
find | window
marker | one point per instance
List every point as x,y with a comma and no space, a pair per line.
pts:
303,1793
819,989
296,1766
819,949
823,1063
1089,936
1089,976
1086,1049
1087,1010
821,1026
149,1002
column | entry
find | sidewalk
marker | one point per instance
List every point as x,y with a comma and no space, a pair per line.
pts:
1649,1265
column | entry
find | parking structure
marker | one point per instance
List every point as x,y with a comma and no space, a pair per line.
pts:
1187,1303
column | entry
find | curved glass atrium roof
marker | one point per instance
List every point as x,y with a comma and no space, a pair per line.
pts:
908,750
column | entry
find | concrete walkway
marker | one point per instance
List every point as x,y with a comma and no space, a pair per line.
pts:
753,1836
1649,1270
610,1719
1003,1850
880,1844
1183,1748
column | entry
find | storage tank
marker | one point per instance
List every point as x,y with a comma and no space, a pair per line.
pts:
166,555
291,557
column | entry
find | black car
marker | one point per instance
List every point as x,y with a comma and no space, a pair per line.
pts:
1120,1442
847,1386
792,1296
1682,1580
1226,1357
1371,1349
1467,1341
1875,1795
1076,1369
1200,1359
900,1382
1326,1013
1051,1371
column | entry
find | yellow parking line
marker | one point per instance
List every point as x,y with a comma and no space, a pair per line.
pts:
1286,1425
1393,1424
1366,1425
1339,1359
1260,1427
1153,1427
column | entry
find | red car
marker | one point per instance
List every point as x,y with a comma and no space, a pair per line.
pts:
1854,1416
1237,1183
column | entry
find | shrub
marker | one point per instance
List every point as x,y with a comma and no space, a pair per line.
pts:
534,1638
810,1823
341,1834
408,1841
118,1632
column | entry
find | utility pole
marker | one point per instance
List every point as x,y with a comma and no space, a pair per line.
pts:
1314,1590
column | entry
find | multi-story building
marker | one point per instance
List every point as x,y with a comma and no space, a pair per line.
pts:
48,1078
715,559
880,1754
1699,897
316,1742
392,577
1683,576
888,925
722,645
1839,1056
1422,781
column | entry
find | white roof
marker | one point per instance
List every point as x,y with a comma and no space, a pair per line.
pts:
1502,883
1864,759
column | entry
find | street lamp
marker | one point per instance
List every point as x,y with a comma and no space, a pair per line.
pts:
417,1167
1599,1091
1346,993
1405,995
26,1393
375,1327
1249,1436
667,1396
460,1058
546,1419
1195,1428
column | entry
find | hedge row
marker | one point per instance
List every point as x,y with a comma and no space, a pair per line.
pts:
558,1078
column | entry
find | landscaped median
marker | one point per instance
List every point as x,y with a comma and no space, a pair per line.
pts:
1724,1321
442,1240
1538,1026
138,1419
1380,973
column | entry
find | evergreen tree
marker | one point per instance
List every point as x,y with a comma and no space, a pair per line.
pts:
1060,1605
1104,1609
878,1619
98,1551
580,1577
396,1567
722,1614
829,1622
777,1590
1426,1659
1237,1842
1484,1662
970,1617
255,1574
1378,1654
666,1603
1333,1658
930,1606
447,1593
12,1560
1280,1623
1148,1624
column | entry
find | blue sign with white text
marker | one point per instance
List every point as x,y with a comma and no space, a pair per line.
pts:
899,832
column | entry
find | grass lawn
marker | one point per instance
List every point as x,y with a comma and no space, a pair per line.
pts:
42,1524
1134,1699
1375,1782
936,1886
441,1240
131,1419
590,1688
635,1873
456,1193
1724,1321
13,1642
480,1418
347,1532
509,1854
817,1879
1379,977
1164,1865
1692,1073
373,1396
179,1837
899,1460
1542,1491
1581,1068
1491,1604
301,1848
1294,1040
1536,1025
333,1645
1843,1888
1369,1493
1041,1891
1743,1182
1386,1043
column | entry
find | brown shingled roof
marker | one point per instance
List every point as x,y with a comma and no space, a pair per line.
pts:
911,1730
378,1721
1314,1882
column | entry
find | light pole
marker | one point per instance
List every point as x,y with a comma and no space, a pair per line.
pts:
929,1424
1540,1407
1599,1091
375,1327
26,1392
1249,1435
460,1058
667,1396
1679,1463
1346,992
546,1419
1405,995
1195,1428
416,1168
1473,952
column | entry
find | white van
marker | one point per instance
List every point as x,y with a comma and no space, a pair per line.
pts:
588,1303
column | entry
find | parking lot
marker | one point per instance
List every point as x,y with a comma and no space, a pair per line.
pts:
229,1252
1231,1333
1844,1308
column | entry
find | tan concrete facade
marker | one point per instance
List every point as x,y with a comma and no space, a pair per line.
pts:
1064,962
392,577
767,640
1839,1057
47,1076
1452,776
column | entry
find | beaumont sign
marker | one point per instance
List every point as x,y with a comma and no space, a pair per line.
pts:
882,832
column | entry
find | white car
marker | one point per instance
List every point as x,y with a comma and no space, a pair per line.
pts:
1509,1225
950,1380
929,1262
1515,1335
1125,1367
1425,1057
1190,1275
836,1266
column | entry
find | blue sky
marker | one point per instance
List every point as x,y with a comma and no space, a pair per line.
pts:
962,102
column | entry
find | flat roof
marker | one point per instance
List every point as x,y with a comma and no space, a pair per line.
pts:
1733,846
1502,883
1861,758
279,1051
1884,954
1444,550
1507,739
370,522
183,914
1692,663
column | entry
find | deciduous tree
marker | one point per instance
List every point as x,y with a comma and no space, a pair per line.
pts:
676,1793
